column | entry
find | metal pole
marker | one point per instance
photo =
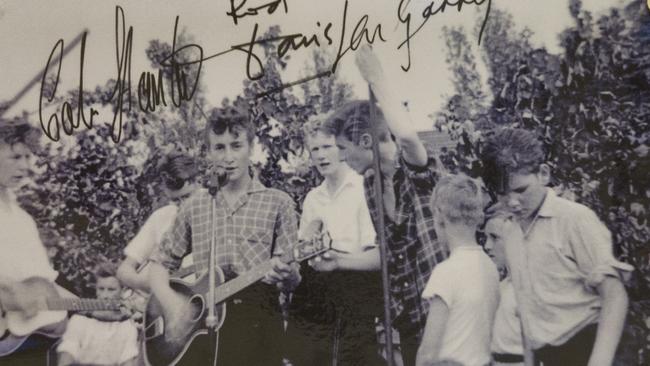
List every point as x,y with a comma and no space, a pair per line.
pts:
379,203
39,76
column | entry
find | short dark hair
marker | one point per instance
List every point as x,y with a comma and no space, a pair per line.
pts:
230,119
18,133
177,169
352,120
510,151
106,269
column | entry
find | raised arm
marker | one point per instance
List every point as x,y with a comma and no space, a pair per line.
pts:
397,119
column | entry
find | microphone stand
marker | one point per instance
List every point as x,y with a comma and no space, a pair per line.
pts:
214,184
383,251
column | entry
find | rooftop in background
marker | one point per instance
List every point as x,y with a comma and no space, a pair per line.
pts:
434,141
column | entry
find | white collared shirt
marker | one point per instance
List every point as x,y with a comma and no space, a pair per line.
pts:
345,214
22,254
565,255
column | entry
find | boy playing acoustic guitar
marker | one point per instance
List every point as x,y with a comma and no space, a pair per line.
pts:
252,225
23,254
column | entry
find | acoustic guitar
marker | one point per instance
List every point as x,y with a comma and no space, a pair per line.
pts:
49,306
164,346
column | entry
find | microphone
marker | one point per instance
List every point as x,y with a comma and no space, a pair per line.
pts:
215,180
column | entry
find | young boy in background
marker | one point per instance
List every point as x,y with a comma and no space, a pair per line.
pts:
104,337
568,284
507,343
464,289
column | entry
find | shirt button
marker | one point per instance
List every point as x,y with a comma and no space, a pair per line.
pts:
406,284
400,256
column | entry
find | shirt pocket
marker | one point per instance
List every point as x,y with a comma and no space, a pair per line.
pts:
256,246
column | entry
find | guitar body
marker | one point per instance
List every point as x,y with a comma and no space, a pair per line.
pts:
164,346
18,325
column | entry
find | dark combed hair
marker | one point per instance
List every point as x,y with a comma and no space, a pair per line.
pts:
177,169
18,133
106,269
510,151
231,119
352,120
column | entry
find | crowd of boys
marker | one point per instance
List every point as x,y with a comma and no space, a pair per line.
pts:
552,293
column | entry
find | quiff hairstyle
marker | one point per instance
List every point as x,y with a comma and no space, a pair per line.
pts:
230,119
460,199
352,120
510,151
177,169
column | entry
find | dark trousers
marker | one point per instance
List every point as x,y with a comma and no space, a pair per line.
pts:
34,352
251,334
575,352
332,319
409,338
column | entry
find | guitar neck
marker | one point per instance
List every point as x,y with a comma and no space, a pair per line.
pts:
242,281
81,304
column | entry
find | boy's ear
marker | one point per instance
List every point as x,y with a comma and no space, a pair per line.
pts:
365,141
544,174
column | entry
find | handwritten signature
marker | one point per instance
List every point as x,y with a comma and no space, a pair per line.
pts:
183,66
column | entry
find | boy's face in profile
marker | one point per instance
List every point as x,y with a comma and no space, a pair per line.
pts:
525,192
494,244
231,151
108,288
324,153
14,164
357,156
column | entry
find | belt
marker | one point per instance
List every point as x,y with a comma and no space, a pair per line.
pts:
507,358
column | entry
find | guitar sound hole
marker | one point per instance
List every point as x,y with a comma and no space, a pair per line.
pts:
197,305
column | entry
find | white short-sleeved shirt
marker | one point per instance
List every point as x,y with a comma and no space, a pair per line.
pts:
94,342
151,234
23,254
468,282
344,213
506,334
565,255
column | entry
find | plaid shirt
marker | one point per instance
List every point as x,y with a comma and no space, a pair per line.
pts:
412,245
262,223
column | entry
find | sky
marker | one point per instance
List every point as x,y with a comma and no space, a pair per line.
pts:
30,29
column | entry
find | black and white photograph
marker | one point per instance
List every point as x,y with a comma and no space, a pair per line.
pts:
325,183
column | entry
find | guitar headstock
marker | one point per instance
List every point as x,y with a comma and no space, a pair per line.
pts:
306,249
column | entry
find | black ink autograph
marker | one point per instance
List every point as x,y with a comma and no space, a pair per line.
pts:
150,92
405,18
183,67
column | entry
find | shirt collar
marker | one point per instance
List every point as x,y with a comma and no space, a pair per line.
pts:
255,186
349,179
549,205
